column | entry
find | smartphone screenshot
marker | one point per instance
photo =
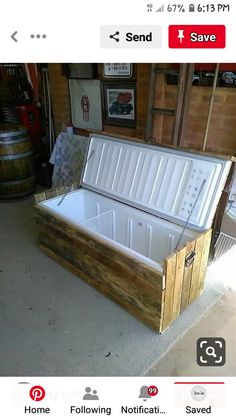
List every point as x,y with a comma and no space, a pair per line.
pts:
117,209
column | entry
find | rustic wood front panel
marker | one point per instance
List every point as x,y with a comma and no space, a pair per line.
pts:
184,283
132,283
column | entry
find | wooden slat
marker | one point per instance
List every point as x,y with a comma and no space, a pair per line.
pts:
205,256
212,101
149,119
163,111
190,247
180,102
179,277
169,269
195,280
39,197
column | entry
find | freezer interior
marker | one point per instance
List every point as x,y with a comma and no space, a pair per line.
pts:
139,233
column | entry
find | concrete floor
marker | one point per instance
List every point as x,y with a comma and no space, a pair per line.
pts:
220,321
42,307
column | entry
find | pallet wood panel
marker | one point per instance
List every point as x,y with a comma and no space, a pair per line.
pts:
151,322
184,283
96,247
139,289
132,283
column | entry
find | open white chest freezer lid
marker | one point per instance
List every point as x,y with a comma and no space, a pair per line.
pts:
168,183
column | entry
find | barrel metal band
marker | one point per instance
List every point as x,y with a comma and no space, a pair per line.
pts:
15,141
17,182
12,133
17,156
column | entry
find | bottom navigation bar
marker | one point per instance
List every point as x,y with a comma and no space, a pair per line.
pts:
115,396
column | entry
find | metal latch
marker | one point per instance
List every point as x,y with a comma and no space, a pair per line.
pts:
190,259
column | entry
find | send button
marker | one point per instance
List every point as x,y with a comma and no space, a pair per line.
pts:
131,36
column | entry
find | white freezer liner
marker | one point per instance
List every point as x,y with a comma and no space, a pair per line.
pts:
141,234
161,181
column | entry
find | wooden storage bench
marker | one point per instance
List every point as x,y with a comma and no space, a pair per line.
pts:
134,230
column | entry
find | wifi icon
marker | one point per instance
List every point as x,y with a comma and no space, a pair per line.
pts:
161,9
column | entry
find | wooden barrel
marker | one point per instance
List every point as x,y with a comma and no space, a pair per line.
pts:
16,162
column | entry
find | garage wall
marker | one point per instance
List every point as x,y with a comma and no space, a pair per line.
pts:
165,99
222,132
60,97
61,103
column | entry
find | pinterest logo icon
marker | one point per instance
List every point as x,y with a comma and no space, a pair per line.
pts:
37,393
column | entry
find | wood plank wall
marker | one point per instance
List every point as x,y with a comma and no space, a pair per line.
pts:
60,97
222,132
61,101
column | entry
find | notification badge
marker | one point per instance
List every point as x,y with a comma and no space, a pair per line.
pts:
37,393
152,391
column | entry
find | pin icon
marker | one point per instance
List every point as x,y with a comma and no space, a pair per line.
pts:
37,393
181,35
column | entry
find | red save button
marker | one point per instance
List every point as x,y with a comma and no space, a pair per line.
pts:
197,36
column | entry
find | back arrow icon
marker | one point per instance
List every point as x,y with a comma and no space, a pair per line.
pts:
13,36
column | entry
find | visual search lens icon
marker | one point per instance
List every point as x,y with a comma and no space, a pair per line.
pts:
37,393
211,352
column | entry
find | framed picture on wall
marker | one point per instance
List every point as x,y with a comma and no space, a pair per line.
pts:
86,106
118,70
119,103
80,71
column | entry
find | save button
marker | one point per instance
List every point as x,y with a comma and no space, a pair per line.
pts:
197,36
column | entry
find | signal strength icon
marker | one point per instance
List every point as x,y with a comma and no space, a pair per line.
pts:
161,9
